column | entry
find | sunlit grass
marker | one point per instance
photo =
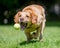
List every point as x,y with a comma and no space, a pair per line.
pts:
11,38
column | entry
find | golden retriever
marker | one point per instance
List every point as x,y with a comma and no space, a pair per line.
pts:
32,21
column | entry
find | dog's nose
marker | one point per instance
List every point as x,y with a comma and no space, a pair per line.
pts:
21,19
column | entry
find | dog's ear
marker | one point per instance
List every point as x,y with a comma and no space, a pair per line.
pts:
34,19
16,17
33,16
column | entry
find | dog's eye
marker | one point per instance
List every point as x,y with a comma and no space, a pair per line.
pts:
20,16
27,16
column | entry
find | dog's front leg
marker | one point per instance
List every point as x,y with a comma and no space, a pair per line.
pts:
28,35
42,26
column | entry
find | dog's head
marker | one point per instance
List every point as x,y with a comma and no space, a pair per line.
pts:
24,18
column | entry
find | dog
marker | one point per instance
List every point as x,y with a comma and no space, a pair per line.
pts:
32,19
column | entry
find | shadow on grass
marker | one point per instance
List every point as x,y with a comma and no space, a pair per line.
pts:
25,42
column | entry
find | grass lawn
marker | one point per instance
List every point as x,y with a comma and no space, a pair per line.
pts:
11,38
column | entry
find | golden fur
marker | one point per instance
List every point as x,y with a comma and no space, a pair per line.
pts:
34,15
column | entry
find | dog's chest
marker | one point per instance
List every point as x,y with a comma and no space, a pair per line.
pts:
32,28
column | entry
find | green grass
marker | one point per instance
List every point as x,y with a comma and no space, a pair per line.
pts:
11,38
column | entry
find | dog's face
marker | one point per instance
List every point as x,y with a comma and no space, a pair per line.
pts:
24,18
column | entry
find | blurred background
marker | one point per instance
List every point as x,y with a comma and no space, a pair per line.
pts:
11,38
8,8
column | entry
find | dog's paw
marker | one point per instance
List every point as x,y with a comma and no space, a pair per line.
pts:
41,40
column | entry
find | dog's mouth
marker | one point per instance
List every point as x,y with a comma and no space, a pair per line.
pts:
23,25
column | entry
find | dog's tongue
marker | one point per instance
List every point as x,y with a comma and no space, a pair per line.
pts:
22,27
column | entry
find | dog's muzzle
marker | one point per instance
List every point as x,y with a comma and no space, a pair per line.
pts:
21,19
23,25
